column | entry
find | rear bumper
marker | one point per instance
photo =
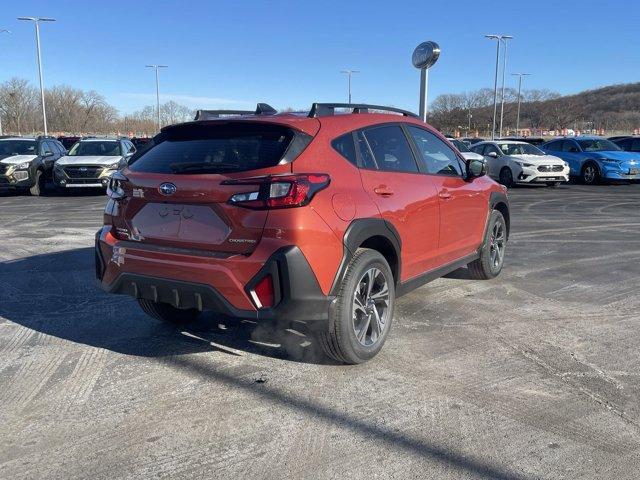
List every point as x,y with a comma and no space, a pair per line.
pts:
210,283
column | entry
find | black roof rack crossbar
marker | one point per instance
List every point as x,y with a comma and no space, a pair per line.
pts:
328,109
261,109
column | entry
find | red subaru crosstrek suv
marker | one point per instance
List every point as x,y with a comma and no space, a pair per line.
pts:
324,218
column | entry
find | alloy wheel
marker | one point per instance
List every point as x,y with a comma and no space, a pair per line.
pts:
371,307
589,174
497,246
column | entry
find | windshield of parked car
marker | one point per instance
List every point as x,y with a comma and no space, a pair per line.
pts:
84,149
206,148
460,145
597,145
17,147
519,149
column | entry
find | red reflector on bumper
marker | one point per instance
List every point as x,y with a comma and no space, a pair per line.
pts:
263,293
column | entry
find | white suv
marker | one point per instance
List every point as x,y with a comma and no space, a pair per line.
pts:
91,162
511,162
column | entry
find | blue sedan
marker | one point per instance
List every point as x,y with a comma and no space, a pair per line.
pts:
594,158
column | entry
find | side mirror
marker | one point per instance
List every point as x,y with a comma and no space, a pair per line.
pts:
475,169
492,155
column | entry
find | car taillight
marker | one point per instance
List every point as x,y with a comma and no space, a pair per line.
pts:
262,293
279,191
115,187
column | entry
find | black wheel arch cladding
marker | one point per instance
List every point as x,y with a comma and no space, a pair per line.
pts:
375,233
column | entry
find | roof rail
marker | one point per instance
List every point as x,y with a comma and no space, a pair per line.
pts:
328,109
261,109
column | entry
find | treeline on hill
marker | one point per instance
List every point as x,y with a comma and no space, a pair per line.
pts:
74,111
612,108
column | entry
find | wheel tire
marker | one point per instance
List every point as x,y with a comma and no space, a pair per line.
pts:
589,174
168,313
485,267
38,186
341,342
553,184
506,177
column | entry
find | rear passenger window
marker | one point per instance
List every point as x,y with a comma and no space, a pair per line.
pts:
345,147
438,158
570,146
391,149
554,146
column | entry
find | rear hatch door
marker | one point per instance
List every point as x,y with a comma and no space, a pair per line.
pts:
175,193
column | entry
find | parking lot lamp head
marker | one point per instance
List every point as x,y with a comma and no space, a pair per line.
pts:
36,21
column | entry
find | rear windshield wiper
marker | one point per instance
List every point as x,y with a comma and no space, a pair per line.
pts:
202,167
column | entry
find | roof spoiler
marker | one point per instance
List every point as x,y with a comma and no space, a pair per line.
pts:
261,109
328,109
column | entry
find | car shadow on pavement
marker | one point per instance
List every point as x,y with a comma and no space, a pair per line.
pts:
56,294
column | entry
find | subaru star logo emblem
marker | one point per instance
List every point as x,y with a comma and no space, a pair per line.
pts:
83,169
167,189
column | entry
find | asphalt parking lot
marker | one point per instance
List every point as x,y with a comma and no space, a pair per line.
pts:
535,374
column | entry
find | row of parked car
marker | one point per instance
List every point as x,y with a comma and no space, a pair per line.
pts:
534,160
31,164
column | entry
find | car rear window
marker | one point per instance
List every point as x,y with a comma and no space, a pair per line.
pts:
345,147
211,148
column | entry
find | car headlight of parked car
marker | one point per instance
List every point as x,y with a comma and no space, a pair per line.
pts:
524,164
114,166
22,166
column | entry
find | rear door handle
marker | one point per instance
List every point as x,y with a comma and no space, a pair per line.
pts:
383,191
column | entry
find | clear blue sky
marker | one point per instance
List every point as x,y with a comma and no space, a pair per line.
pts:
230,54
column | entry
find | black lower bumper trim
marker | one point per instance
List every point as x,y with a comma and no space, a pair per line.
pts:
299,295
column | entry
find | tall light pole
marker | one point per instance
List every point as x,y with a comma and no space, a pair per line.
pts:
349,73
498,39
36,21
156,67
519,75
2,30
495,84
504,69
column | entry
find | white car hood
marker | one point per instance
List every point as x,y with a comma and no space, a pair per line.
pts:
472,156
539,159
18,159
101,161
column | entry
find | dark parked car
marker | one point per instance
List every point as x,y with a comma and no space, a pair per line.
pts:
69,142
140,141
473,141
629,144
27,163
535,141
